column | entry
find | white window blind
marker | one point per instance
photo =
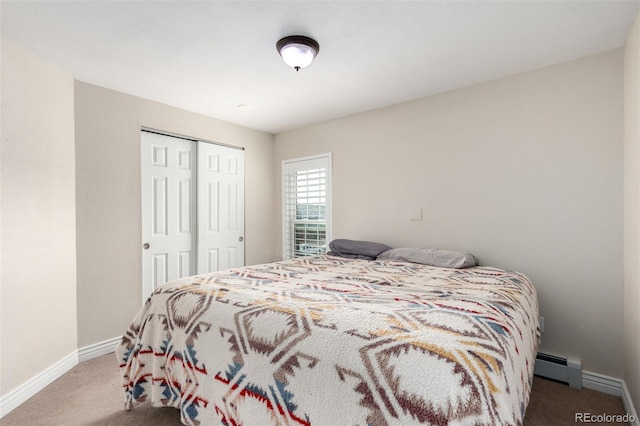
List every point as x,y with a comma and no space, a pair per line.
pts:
306,195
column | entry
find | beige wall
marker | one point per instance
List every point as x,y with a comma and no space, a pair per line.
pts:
108,127
632,214
76,190
525,172
38,265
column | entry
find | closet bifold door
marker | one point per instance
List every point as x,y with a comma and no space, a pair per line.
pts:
192,208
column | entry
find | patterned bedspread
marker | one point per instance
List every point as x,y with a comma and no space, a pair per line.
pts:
332,341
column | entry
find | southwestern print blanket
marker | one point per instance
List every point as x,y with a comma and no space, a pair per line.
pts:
333,341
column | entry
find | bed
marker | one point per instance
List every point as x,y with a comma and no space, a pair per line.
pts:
327,340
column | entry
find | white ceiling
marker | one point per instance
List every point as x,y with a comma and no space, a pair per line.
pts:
211,56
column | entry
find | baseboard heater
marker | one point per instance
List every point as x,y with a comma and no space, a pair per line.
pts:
567,370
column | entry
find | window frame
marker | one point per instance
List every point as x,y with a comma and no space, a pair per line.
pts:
295,165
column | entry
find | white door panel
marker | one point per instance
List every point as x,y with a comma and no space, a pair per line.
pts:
169,215
220,208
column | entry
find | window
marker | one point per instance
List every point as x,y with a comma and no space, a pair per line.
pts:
306,206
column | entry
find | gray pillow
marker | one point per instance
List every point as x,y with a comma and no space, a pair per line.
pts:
431,256
356,249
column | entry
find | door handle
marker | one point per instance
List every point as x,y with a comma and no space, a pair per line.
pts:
241,239
146,246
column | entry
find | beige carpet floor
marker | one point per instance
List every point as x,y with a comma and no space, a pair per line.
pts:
90,394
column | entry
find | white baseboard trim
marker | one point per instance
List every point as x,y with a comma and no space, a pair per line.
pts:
602,383
98,349
628,405
611,386
13,399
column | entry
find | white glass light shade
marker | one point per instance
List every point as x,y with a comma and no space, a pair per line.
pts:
297,51
297,55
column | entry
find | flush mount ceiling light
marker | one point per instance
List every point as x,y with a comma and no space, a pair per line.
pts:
297,51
